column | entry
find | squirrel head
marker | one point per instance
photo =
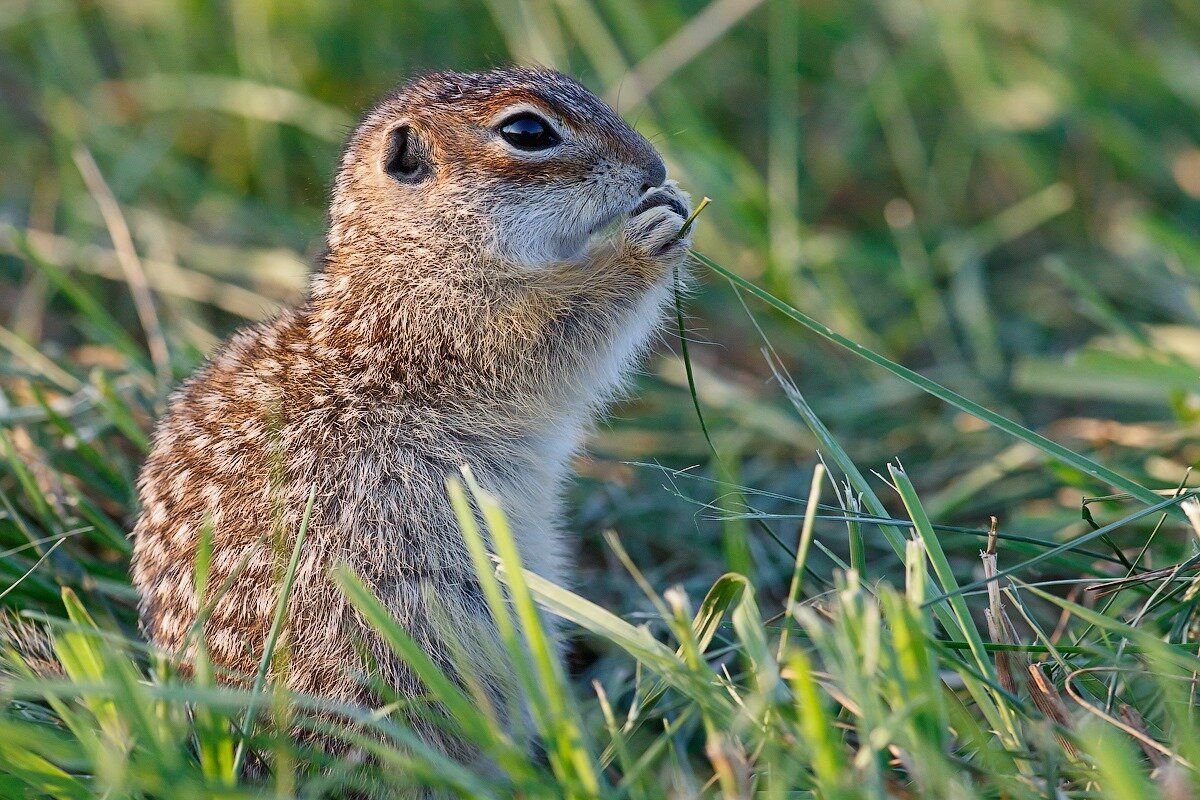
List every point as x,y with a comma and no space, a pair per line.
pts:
518,167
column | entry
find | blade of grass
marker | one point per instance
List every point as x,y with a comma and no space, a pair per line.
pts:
135,275
676,286
104,325
636,641
285,591
806,535
1050,447
945,576
567,743
1148,643
890,532
456,702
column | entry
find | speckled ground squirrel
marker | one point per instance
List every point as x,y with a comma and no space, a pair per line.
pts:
475,308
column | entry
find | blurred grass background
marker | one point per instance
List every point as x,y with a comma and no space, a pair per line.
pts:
1003,194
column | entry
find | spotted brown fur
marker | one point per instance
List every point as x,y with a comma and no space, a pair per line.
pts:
462,320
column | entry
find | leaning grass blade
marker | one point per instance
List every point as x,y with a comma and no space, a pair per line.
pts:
831,447
497,602
135,274
681,330
748,622
617,743
636,641
285,592
1052,448
875,506
43,778
806,537
139,712
567,743
103,323
484,568
941,568
723,594
958,605
17,583
81,653
462,710
1149,644
819,731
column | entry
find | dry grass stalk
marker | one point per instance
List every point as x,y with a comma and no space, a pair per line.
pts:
1134,720
1046,698
131,265
1000,627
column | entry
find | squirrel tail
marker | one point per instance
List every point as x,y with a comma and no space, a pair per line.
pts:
31,643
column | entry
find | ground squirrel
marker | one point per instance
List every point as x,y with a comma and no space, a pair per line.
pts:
500,248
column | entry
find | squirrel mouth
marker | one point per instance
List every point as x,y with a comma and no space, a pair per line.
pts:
608,226
651,199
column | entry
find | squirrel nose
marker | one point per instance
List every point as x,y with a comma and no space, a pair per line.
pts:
655,174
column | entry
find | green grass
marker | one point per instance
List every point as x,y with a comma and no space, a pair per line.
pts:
989,207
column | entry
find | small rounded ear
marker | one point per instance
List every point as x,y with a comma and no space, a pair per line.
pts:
405,159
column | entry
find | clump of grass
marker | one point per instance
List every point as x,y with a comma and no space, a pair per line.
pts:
992,205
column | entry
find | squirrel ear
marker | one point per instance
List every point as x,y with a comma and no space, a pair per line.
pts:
405,158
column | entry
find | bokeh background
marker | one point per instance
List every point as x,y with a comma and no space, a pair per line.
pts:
1003,194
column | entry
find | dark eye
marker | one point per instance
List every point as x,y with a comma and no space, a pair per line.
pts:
529,132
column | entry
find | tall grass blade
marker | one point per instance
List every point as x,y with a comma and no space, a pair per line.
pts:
281,604
1052,448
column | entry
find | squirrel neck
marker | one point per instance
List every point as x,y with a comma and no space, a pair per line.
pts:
435,327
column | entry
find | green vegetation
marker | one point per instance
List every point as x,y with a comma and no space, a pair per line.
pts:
1001,194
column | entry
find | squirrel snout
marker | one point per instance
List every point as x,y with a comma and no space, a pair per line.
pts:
655,172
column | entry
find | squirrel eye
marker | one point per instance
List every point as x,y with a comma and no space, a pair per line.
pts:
529,132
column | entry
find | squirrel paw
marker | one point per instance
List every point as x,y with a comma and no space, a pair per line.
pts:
654,225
